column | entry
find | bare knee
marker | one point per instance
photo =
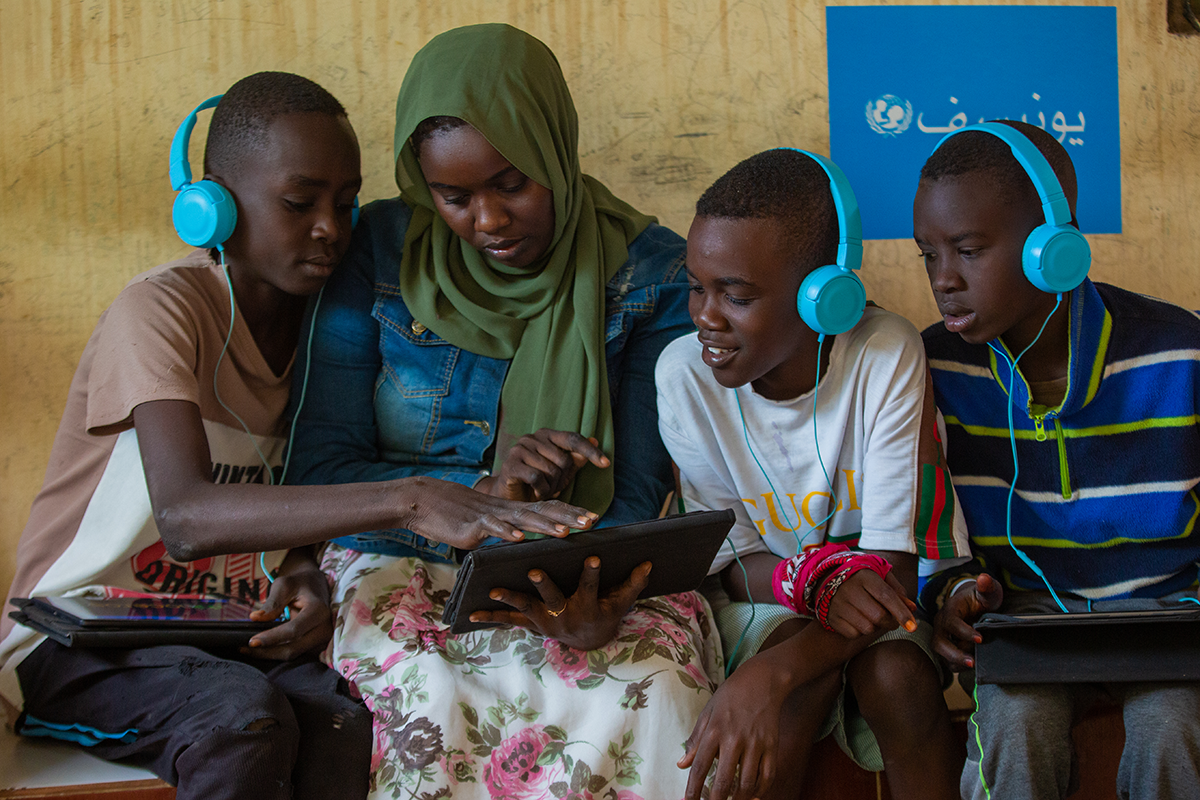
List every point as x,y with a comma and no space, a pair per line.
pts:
900,697
896,681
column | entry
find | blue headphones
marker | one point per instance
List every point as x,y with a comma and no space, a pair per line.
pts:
1056,257
832,298
204,213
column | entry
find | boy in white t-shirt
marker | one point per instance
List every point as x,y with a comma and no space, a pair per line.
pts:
157,486
876,485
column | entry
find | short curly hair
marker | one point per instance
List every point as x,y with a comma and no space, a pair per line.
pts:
240,121
783,185
976,151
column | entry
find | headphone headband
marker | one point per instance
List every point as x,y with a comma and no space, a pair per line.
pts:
181,170
1054,201
845,205
204,213
831,298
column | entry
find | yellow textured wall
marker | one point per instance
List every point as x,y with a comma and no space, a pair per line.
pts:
670,94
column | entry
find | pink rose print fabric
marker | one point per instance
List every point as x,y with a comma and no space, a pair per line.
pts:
507,714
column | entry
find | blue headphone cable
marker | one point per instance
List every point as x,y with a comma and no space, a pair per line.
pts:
270,476
1012,439
833,501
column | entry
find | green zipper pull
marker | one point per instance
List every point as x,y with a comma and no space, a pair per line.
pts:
1040,435
1063,471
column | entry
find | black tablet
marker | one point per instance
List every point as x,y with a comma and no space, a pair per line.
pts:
1145,645
139,621
140,612
681,548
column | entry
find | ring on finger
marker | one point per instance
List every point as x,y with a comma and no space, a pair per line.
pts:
554,613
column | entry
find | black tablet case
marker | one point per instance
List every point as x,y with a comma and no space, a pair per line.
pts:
41,615
1156,645
681,548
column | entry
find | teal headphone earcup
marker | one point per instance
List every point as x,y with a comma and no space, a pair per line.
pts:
831,300
204,214
1056,258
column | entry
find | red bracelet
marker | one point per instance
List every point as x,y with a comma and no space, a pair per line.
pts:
834,581
792,576
807,583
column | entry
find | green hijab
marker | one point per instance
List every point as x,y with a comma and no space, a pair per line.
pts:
547,319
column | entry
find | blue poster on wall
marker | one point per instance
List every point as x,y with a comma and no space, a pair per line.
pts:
901,78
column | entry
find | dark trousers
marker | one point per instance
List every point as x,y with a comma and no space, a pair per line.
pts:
216,726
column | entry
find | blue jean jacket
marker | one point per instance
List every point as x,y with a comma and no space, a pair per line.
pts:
387,398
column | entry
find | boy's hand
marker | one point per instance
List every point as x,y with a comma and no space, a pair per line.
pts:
306,592
953,637
465,518
868,605
739,728
584,621
540,465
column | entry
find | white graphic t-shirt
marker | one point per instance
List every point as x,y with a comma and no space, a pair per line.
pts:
867,423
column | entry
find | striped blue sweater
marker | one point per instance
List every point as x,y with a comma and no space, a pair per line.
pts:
1106,501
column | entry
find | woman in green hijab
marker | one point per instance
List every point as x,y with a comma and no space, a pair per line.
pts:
498,325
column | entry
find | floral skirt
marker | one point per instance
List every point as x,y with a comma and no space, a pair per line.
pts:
505,712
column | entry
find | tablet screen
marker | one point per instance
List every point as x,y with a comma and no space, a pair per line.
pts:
147,610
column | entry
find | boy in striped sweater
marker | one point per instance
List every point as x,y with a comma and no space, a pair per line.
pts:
1105,413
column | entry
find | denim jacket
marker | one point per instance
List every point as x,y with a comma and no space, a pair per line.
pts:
387,398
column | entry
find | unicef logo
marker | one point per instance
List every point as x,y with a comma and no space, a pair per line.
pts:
889,115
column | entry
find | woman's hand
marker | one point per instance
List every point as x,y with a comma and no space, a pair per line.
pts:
584,621
540,465
302,588
954,638
449,512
